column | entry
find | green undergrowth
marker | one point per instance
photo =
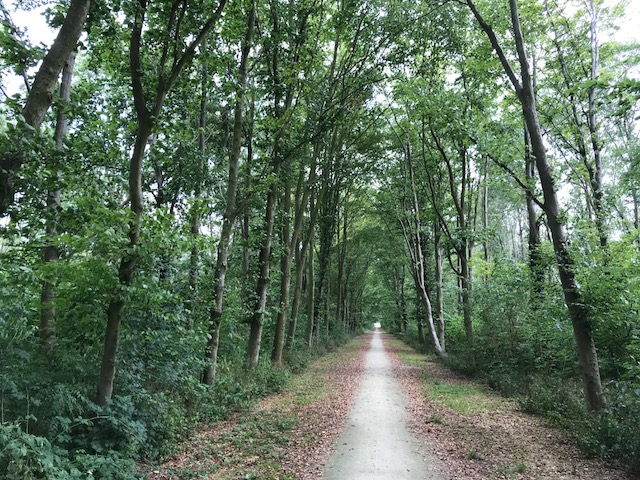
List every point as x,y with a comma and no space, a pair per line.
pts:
51,429
253,447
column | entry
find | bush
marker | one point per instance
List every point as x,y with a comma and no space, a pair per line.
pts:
615,434
24,456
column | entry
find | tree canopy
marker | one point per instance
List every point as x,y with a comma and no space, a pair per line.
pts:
197,197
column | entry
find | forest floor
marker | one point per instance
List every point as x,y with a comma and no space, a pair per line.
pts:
466,430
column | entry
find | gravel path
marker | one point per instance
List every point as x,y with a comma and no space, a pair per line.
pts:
376,443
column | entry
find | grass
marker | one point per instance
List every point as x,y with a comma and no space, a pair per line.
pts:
510,470
467,398
407,354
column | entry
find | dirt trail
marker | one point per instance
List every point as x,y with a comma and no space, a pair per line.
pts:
376,443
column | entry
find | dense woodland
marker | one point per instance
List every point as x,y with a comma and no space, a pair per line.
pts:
198,197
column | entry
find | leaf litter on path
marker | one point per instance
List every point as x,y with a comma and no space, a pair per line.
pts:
287,436
492,439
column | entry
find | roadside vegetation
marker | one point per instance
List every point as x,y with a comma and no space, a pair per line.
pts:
198,197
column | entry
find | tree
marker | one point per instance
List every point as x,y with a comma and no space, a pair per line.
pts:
578,311
231,209
41,95
146,121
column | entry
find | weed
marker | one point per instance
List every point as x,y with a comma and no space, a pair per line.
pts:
437,419
519,468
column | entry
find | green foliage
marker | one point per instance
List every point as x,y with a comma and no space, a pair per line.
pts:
24,456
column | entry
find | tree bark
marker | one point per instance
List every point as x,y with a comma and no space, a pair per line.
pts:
230,212
535,258
311,279
196,209
439,293
285,271
41,93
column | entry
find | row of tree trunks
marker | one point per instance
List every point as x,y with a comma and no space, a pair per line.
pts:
578,310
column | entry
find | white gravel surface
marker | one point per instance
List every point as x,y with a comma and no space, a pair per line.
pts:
377,443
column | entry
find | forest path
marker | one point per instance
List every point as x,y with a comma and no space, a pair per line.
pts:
376,443
479,435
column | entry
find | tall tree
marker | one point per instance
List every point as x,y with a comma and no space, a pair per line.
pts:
231,209
578,309
167,74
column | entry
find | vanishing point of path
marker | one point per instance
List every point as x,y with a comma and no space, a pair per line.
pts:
376,443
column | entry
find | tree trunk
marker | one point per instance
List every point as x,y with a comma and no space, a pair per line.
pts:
535,259
411,231
297,291
439,293
246,251
127,268
50,252
215,314
595,173
465,285
311,280
41,93
196,212
285,271
419,314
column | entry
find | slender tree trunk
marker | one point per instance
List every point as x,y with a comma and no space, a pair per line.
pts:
196,212
264,262
595,173
465,284
311,280
342,252
285,272
419,314
636,208
127,267
41,93
246,250
439,293
485,212
535,260
578,310
215,314
413,238
50,252
297,291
